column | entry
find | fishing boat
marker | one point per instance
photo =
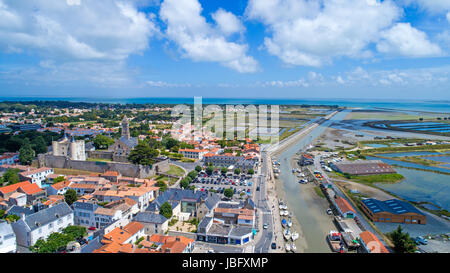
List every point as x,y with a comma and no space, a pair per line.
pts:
285,213
289,223
288,247
293,248
335,241
294,236
283,223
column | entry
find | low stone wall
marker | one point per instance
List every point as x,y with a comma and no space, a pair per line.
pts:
100,155
126,169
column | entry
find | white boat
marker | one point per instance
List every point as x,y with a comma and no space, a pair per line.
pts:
293,248
288,247
294,236
285,213
287,234
289,223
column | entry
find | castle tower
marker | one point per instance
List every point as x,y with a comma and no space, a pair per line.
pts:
125,128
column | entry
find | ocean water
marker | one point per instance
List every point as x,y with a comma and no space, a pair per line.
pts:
431,106
421,186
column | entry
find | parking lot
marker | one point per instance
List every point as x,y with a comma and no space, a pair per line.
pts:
240,184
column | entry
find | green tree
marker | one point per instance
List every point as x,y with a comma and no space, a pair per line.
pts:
166,210
162,186
39,145
228,193
402,241
26,154
224,170
209,170
11,176
75,231
251,172
169,143
237,171
2,213
192,174
12,218
184,183
70,196
102,142
198,168
59,179
143,154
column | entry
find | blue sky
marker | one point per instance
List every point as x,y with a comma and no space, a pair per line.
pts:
217,48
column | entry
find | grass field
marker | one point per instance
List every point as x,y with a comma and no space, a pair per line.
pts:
72,172
175,170
384,116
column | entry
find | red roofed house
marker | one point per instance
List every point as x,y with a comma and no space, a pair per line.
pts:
344,207
172,244
32,191
121,240
371,243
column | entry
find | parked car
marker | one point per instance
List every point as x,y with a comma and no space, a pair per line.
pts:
265,226
274,246
421,241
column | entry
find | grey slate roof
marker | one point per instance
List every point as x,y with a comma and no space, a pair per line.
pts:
16,210
212,201
130,142
85,206
5,228
240,231
149,217
46,216
204,222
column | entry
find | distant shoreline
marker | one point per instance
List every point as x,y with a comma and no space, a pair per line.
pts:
425,106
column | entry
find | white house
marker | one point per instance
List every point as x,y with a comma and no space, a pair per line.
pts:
7,238
193,153
59,188
37,176
41,224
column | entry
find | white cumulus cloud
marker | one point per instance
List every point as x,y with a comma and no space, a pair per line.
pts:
201,41
75,29
312,33
403,39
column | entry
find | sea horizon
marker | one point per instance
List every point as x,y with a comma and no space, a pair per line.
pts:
410,104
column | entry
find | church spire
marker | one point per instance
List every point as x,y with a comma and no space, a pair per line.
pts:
125,128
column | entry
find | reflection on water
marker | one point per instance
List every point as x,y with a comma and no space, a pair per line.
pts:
422,186
297,205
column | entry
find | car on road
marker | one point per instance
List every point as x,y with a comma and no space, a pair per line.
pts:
265,226
257,188
421,241
91,228
329,211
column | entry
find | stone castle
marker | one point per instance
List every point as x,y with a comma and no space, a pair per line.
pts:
73,149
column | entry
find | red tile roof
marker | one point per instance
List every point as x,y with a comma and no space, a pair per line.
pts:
344,205
372,242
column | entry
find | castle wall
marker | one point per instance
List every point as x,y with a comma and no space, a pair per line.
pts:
126,169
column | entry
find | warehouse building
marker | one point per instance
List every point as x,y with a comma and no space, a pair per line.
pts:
362,167
392,211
